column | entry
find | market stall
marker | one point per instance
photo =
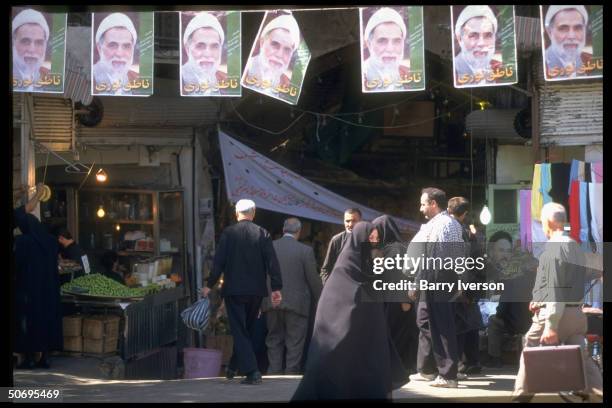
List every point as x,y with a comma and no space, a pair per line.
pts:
140,325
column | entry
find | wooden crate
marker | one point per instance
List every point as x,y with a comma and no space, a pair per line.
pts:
225,343
99,346
74,343
100,327
72,326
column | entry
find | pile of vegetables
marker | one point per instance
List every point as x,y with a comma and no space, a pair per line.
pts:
99,285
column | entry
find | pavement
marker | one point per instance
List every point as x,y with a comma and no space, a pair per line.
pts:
82,380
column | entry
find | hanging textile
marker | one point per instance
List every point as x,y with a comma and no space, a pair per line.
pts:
597,172
560,174
536,193
584,219
546,183
574,214
596,204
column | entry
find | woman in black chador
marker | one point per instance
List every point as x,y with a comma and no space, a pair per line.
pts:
350,354
401,316
37,307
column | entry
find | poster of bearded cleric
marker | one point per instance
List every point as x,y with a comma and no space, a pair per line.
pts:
484,46
392,49
39,50
122,54
572,42
278,59
211,53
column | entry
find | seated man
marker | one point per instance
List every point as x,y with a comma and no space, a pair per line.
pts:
517,271
112,269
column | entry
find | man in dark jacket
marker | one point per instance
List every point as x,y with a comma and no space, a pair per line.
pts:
71,250
351,217
244,256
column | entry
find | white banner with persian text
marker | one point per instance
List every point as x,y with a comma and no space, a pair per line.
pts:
273,187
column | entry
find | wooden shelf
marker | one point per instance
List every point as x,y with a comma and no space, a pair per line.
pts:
130,253
107,221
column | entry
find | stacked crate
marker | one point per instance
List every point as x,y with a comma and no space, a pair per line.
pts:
73,338
100,334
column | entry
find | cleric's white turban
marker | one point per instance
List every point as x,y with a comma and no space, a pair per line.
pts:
116,20
553,10
385,15
474,11
202,20
30,16
244,205
288,23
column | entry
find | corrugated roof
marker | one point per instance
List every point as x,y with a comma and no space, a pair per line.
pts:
158,111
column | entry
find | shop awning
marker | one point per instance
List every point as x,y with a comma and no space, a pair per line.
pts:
273,187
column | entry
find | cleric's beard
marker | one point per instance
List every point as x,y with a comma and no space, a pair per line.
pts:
566,56
205,76
106,66
478,64
27,70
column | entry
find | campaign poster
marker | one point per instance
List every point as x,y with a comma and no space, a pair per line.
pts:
484,46
392,49
122,53
278,60
211,53
572,42
38,50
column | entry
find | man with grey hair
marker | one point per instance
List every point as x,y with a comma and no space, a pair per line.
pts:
30,38
245,256
566,27
475,31
203,41
115,41
288,324
557,299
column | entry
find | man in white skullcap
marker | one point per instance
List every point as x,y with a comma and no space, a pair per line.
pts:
115,41
566,28
475,31
245,256
30,38
277,43
203,41
385,36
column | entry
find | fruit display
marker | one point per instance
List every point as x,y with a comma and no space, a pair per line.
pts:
99,285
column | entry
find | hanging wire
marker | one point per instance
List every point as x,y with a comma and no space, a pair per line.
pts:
87,176
471,155
356,124
262,129
46,164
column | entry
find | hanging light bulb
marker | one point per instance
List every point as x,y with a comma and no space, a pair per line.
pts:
101,175
485,215
100,213
118,227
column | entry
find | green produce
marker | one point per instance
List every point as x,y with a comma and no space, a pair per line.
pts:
99,285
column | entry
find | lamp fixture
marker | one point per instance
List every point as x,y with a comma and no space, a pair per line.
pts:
485,215
101,175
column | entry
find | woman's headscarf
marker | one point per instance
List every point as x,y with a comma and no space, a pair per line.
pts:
388,230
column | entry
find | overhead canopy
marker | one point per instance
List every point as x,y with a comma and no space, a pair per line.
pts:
273,187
